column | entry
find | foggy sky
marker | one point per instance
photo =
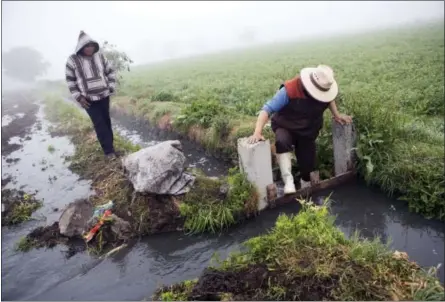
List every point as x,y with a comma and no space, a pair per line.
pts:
153,31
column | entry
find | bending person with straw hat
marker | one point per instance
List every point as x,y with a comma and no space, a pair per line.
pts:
297,110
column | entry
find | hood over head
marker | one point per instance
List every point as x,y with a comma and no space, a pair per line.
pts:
83,40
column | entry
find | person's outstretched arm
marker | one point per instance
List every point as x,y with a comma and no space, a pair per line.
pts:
279,100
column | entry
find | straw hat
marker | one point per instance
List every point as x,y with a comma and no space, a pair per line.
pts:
320,83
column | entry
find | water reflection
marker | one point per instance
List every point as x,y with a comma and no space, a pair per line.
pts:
373,214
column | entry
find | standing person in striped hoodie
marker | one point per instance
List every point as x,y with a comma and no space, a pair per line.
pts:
92,80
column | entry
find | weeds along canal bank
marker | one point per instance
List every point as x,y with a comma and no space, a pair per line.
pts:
306,258
393,92
205,208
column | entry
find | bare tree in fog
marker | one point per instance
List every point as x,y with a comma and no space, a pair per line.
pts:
119,59
24,64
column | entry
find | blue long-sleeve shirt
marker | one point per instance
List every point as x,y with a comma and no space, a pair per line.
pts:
279,100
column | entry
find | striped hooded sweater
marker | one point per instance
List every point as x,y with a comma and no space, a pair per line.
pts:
91,77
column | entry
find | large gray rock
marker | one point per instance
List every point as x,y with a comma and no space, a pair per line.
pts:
75,217
159,169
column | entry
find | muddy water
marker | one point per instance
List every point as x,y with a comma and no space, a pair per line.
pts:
136,271
139,132
43,169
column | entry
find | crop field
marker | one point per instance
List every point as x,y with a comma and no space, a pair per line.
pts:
391,82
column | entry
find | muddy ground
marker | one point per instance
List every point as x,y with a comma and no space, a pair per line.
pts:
23,114
253,283
157,220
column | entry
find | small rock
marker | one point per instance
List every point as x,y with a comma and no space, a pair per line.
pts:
120,227
74,218
223,190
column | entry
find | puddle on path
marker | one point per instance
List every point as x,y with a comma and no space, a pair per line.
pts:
34,168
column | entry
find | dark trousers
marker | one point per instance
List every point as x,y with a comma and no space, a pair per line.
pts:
99,112
305,150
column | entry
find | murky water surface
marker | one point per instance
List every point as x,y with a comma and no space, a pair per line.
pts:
135,272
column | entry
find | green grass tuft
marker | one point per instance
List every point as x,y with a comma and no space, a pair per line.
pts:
24,244
178,292
207,210
19,208
306,257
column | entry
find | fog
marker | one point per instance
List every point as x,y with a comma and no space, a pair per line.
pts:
154,31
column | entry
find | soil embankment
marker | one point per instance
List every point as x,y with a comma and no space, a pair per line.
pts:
306,257
204,209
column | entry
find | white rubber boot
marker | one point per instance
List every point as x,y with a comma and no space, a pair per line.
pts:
285,163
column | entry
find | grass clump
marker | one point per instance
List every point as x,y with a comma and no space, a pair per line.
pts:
214,205
22,211
163,96
306,257
144,108
177,292
48,237
25,244
201,113
19,207
51,149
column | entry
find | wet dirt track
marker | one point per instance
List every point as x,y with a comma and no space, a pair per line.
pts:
135,272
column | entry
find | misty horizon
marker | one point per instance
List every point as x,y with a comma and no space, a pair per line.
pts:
151,32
